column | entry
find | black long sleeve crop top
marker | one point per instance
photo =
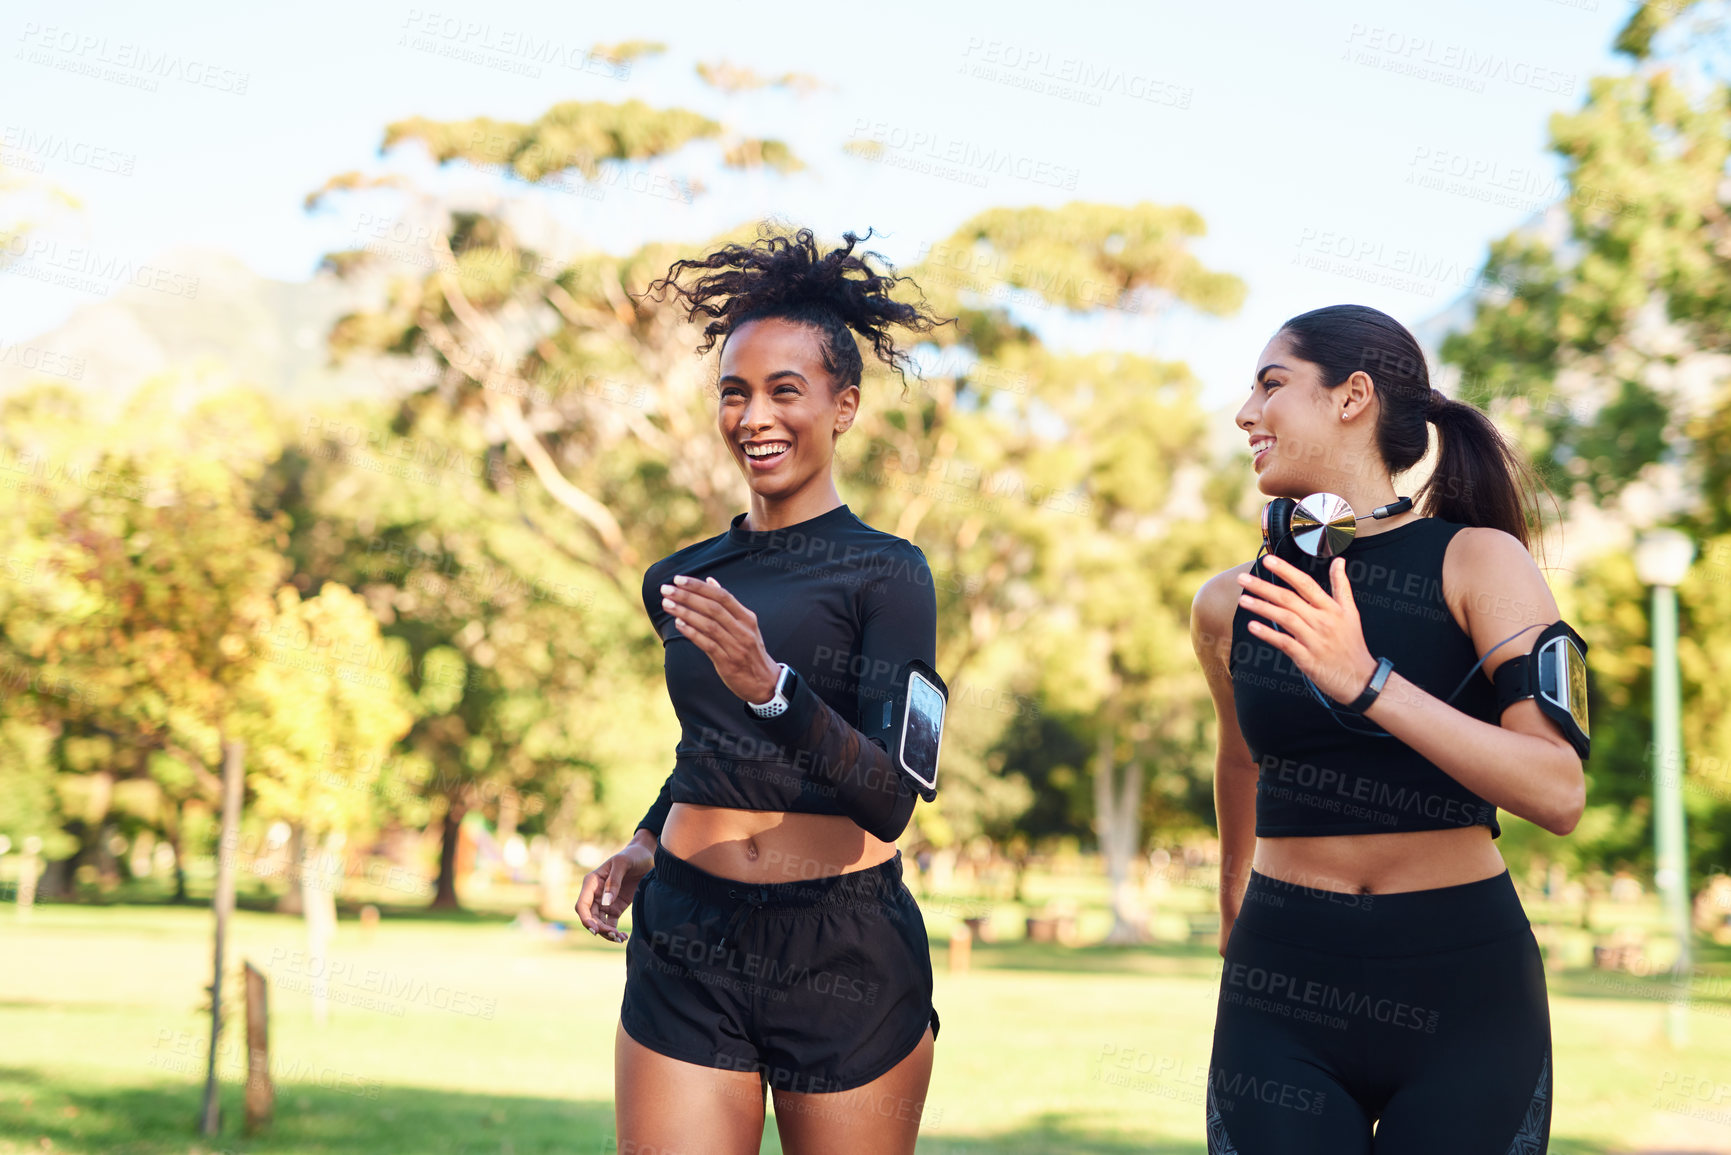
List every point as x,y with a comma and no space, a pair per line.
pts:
1315,775
845,606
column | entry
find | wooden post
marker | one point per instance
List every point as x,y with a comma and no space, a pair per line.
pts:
210,1122
27,874
260,1095
369,922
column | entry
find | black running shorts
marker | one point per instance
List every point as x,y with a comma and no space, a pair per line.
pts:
818,985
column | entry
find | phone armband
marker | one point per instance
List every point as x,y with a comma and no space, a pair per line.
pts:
1554,674
917,725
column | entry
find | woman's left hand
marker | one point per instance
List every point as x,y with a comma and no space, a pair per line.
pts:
725,630
1322,632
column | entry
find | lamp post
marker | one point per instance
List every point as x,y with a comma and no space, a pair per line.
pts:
1662,557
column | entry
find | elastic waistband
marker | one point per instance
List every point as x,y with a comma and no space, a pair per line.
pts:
1408,922
871,884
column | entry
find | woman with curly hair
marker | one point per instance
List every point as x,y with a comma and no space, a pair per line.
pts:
774,946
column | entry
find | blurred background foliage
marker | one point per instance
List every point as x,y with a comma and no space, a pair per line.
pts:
426,608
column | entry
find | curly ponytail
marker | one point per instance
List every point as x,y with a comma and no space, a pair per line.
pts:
836,293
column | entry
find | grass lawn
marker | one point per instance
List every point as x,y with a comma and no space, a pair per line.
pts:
467,1036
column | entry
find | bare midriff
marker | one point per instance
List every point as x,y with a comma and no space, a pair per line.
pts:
769,846
1382,863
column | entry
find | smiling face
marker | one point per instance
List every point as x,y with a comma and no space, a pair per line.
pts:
779,411
1306,437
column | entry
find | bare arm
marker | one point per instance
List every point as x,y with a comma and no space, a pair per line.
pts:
1235,770
607,890
1524,765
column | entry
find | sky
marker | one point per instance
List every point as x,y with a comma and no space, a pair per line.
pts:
1337,151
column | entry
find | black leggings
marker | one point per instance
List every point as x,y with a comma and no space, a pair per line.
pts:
1422,1012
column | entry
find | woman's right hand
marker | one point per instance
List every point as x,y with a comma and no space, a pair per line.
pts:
1226,921
608,889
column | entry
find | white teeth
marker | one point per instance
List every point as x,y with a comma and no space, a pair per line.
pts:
765,450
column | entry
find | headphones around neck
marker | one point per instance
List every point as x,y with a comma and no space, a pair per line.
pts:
1554,671
1321,525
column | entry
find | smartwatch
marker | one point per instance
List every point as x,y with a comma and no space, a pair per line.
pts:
1360,704
777,704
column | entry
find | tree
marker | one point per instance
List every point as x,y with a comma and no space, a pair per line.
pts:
547,356
1094,460
550,362
1608,358
154,625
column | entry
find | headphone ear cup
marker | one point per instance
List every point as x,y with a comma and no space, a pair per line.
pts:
1277,522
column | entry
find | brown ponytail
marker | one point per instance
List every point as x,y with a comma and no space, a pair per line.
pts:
1480,479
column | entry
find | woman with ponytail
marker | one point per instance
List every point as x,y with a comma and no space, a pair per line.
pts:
774,946
1382,989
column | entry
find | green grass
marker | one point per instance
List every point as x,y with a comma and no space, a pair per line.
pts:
496,1042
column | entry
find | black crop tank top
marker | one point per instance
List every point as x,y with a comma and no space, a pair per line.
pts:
1316,777
842,603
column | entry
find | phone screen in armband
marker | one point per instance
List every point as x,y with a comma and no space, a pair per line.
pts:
920,735
1563,679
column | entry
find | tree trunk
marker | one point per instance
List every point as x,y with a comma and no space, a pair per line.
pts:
556,902
320,875
180,894
1118,821
445,896
58,873
89,827
291,900
222,904
96,851
27,872
172,837
108,865
55,880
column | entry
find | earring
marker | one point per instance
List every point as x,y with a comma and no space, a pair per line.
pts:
1343,415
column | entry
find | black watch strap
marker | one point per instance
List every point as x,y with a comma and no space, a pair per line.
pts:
1360,704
